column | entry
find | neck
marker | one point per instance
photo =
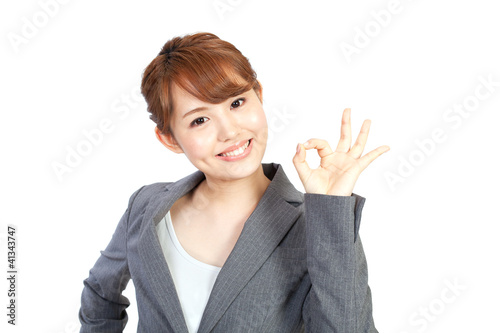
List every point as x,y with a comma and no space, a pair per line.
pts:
222,194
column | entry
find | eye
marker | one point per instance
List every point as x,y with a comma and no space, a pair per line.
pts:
196,122
237,103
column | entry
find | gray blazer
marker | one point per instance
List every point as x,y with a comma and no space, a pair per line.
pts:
297,266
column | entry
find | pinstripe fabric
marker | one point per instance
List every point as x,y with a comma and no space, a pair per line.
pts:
297,266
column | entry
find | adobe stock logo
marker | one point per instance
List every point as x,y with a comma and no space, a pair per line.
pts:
278,118
454,117
436,307
363,37
39,20
224,6
75,155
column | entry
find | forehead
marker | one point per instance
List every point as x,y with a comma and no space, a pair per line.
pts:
182,101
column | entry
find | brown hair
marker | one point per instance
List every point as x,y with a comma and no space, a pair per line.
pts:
202,64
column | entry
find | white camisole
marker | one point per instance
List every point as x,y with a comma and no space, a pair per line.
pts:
193,279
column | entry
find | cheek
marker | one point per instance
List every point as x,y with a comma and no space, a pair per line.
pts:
258,121
196,146
262,130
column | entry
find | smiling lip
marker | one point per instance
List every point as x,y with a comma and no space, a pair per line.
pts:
233,147
244,154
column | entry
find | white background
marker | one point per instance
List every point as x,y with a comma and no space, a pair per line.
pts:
436,226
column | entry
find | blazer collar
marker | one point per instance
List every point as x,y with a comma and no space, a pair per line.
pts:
274,215
273,171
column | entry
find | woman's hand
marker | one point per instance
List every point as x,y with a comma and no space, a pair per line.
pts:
339,169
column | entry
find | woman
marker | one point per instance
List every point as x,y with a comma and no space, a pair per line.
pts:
233,247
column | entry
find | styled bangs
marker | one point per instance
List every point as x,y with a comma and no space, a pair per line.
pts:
212,79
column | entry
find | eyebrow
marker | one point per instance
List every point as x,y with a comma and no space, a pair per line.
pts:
201,108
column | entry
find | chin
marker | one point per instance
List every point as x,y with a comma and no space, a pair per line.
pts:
232,170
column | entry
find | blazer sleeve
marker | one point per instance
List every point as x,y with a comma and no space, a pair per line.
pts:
102,303
339,299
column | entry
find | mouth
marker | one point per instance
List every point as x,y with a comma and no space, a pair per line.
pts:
237,153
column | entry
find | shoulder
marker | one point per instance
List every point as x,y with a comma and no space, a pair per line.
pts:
142,197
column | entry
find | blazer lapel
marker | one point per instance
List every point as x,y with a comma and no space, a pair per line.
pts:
263,231
150,251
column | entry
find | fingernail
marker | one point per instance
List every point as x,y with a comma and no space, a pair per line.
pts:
298,148
306,143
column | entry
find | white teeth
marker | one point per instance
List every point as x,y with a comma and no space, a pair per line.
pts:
237,151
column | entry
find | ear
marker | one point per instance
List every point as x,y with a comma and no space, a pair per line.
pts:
168,141
259,94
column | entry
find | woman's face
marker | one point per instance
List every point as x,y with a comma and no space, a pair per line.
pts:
203,131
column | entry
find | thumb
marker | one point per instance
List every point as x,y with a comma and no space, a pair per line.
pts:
299,161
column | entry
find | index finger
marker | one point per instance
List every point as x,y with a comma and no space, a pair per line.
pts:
321,146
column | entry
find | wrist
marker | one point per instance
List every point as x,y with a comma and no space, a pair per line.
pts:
340,194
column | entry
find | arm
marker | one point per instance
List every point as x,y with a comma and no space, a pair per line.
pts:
339,299
102,303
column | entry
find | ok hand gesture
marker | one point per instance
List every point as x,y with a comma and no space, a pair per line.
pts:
339,169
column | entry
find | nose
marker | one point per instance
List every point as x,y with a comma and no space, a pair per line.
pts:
229,127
